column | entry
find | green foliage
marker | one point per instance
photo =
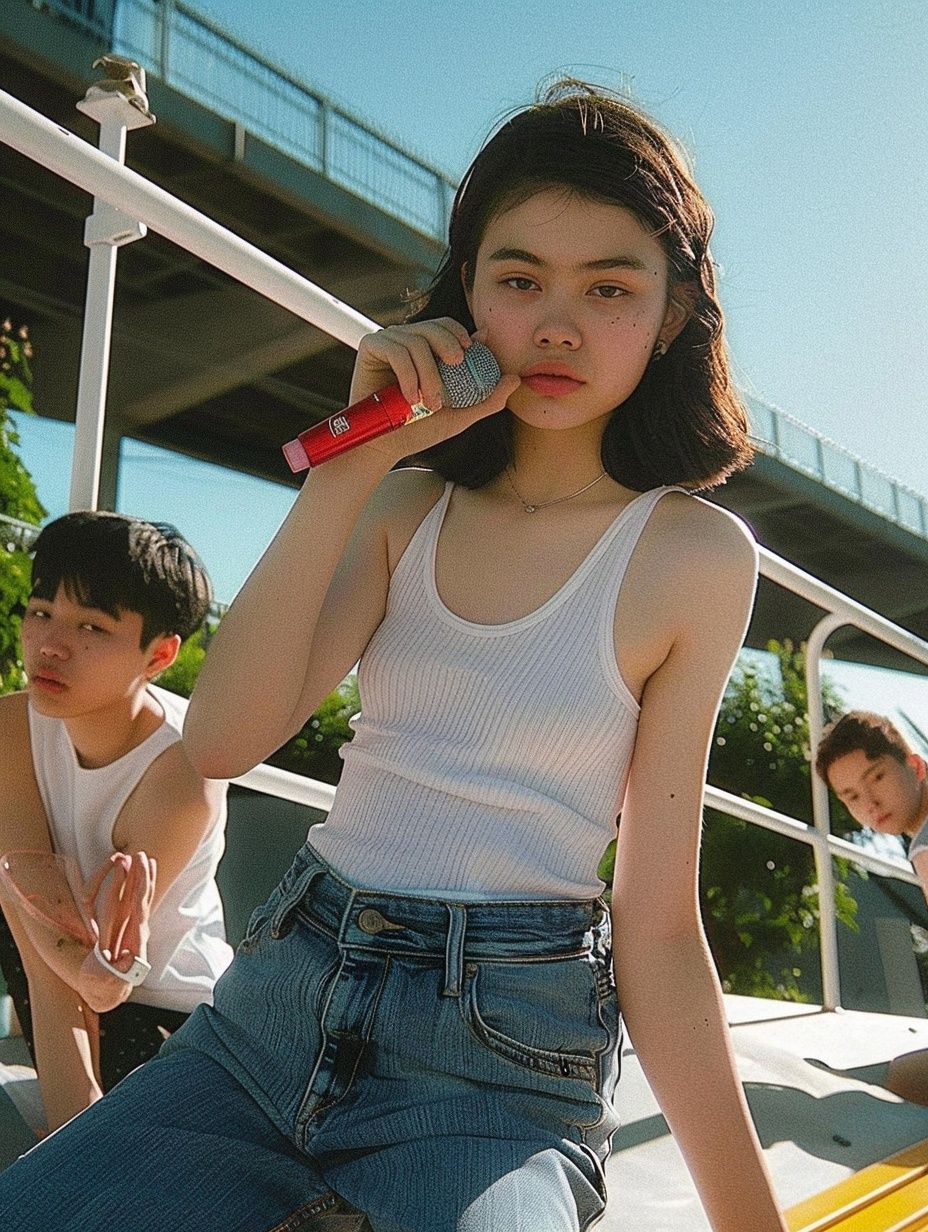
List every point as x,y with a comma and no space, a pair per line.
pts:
18,499
759,889
313,751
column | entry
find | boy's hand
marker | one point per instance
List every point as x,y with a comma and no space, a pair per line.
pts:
117,903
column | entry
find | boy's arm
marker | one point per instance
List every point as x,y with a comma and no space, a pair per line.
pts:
168,815
24,827
23,822
65,1035
160,826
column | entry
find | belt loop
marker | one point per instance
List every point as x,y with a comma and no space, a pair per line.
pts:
280,921
454,950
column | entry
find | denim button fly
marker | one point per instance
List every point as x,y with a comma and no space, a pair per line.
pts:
372,922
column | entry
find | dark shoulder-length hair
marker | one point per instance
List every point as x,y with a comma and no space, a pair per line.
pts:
684,423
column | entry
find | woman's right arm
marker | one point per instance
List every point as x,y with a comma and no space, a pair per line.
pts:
313,601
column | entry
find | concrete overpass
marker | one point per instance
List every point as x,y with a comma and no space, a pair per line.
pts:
207,368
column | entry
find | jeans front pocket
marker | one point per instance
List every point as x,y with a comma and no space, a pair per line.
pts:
541,1015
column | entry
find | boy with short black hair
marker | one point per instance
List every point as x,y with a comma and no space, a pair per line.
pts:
101,813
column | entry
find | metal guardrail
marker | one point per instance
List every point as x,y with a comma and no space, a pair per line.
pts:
16,535
780,435
197,58
61,152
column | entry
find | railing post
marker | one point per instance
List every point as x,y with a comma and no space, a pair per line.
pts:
827,912
164,45
323,124
106,229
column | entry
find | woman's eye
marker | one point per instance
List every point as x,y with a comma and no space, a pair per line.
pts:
92,627
520,284
608,291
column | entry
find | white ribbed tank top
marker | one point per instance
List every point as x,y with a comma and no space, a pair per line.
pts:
188,950
489,761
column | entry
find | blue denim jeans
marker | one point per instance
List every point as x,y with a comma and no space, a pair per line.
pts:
372,1063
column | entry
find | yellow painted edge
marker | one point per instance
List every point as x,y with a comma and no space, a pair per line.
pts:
903,1210
865,1188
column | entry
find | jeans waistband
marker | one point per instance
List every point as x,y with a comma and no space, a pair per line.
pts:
401,924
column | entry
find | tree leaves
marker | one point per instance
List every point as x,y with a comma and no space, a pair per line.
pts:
18,499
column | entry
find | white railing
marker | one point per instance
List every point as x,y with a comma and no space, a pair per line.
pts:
70,157
15,534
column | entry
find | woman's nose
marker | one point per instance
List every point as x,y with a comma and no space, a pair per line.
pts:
557,330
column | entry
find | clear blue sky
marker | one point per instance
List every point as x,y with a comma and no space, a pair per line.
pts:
806,121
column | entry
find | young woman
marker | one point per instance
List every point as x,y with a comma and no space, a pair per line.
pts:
421,1029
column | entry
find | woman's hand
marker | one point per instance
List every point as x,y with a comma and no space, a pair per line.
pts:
405,355
117,902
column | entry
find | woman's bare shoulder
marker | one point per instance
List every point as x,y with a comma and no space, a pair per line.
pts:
700,535
405,497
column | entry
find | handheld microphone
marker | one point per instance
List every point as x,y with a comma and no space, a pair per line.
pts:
465,384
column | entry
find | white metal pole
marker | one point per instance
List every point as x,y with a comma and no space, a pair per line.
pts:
827,909
92,382
105,231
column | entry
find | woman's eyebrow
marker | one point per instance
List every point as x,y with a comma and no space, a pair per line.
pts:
602,263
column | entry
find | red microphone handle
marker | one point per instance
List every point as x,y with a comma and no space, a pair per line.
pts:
373,416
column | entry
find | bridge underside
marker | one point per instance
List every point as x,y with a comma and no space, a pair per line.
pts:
207,368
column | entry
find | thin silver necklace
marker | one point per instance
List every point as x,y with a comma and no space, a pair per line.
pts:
557,501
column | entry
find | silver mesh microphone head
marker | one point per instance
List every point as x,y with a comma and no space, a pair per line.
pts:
469,382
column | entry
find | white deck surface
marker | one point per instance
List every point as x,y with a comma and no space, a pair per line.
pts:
812,1081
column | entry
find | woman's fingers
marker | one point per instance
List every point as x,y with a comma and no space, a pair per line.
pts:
406,355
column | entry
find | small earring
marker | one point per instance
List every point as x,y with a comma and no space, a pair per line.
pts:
660,349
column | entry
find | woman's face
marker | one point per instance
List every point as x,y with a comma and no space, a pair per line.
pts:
573,295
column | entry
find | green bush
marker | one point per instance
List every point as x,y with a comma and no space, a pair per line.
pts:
313,751
759,888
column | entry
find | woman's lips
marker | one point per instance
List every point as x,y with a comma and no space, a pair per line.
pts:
550,386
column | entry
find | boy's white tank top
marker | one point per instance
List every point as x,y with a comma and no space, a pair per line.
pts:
489,761
188,950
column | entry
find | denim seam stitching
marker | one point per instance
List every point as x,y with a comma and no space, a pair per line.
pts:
505,1045
318,1206
303,1118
